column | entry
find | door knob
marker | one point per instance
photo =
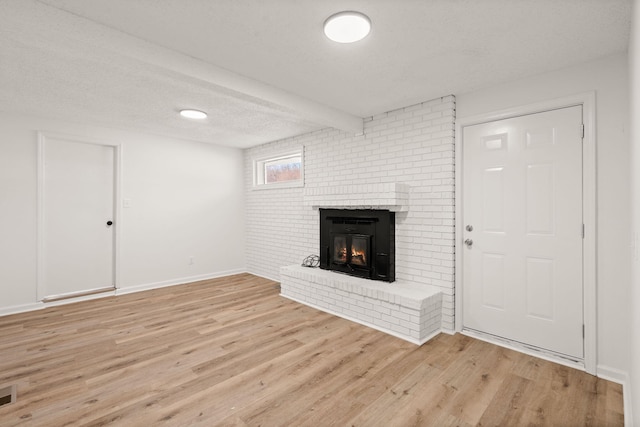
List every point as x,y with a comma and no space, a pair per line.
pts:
109,223
468,242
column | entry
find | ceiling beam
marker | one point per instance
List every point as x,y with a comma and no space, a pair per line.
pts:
203,71
235,84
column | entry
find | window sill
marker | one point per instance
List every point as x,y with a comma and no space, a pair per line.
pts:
296,184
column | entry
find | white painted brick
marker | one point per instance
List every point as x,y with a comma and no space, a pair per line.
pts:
391,319
402,330
281,227
382,323
402,316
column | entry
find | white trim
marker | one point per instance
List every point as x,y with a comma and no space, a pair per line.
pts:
613,375
521,348
588,102
177,281
82,293
258,163
79,298
23,308
627,400
287,184
117,178
40,243
458,227
589,213
117,212
620,377
263,276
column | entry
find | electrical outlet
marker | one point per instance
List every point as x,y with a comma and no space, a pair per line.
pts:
192,260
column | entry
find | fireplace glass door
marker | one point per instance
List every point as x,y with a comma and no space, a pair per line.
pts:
339,249
351,250
360,250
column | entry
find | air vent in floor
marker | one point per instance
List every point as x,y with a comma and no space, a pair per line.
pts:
7,395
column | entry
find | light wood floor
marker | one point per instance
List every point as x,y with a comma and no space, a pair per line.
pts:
231,351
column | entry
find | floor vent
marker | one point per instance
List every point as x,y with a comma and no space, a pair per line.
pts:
7,395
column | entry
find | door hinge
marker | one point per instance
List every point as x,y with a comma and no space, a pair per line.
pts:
583,331
582,131
583,231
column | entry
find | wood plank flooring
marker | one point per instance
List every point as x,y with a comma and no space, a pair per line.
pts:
232,352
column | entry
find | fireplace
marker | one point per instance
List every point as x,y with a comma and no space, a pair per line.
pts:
358,242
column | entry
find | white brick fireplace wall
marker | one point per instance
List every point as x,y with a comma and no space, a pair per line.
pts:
412,146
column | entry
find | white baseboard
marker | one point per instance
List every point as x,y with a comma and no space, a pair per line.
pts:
628,404
620,377
178,281
22,308
263,276
108,293
612,374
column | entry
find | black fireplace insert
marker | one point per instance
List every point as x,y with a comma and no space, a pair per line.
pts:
359,242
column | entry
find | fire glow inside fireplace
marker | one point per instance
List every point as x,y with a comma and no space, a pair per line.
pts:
359,242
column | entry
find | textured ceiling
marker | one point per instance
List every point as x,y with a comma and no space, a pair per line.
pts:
263,69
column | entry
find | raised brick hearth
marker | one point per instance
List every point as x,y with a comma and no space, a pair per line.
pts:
406,310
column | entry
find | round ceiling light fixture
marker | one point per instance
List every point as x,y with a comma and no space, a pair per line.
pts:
347,27
193,114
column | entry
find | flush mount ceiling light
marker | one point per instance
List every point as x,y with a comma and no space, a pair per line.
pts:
347,27
193,114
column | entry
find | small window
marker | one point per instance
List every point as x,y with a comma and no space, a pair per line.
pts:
283,170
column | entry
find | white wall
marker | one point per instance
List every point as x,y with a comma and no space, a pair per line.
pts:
632,393
608,77
186,200
412,145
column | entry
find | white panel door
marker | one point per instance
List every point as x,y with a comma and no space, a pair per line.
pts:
522,221
77,206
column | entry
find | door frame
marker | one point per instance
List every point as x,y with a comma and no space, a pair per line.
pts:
40,209
589,210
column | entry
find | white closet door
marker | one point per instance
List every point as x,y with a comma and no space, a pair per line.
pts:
77,217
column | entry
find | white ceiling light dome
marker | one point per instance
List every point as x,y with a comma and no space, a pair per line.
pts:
347,27
193,114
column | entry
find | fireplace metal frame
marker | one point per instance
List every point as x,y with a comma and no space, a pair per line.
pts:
379,224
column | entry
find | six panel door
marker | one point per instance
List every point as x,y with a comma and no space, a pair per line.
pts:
522,220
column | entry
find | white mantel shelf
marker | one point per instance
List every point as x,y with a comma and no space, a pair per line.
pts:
391,196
